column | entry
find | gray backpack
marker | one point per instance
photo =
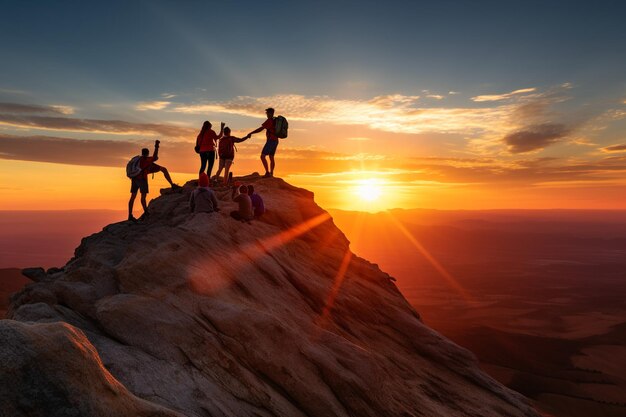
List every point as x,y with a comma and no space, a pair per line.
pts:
280,126
133,167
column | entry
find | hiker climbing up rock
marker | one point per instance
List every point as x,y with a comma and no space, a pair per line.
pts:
137,170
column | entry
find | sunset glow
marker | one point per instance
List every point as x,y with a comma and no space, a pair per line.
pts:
441,128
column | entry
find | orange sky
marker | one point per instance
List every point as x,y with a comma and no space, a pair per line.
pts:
518,149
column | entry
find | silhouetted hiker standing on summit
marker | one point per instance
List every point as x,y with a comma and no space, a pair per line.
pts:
137,170
205,146
271,144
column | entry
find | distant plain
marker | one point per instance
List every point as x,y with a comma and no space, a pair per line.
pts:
538,296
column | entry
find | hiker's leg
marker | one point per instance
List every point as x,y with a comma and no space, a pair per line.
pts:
143,202
272,164
226,170
264,160
220,167
203,160
211,160
131,203
167,175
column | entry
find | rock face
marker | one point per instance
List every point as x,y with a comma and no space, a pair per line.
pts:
202,315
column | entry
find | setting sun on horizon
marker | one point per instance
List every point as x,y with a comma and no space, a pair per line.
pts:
480,122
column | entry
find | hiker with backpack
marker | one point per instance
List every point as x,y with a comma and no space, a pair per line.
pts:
240,196
258,207
205,146
226,153
203,199
137,170
275,128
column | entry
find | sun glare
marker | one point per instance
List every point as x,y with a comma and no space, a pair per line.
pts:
368,190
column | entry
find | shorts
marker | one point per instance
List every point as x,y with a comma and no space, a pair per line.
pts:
270,147
225,162
140,184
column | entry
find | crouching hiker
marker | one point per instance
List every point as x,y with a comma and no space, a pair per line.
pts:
240,196
257,202
137,170
203,199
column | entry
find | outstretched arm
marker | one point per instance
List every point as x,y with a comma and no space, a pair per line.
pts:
256,131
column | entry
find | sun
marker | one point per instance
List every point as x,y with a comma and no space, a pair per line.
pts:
368,190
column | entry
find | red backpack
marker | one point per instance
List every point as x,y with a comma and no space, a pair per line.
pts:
226,148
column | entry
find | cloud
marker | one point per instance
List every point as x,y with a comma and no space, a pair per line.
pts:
452,93
152,105
391,113
535,137
359,139
499,97
34,108
615,148
435,96
116,127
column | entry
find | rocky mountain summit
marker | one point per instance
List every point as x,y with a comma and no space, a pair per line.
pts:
201,315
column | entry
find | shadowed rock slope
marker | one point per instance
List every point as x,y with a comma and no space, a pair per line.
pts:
201,315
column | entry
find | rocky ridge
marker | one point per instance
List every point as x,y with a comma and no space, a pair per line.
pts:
201,315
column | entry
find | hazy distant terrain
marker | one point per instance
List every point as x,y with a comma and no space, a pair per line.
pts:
538,296
47,238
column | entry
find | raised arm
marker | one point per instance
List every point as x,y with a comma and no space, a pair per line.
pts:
155,154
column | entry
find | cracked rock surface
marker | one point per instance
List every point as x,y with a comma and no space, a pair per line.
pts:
202,315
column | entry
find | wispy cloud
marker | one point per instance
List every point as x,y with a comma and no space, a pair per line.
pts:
499,97
536,137
392,113
435,96
116,127
17,108
615,148
152,105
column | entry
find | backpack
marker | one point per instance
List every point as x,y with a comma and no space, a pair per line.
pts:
133,167
226,149
280,127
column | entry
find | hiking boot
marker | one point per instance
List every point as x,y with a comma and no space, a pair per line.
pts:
144,216
267,175
176,187
132,218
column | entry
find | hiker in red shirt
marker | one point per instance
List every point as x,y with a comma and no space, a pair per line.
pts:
271,144
140,181
205,146
226,152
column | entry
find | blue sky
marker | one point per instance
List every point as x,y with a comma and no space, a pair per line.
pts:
73,49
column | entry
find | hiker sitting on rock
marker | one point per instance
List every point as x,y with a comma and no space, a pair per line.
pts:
203,199
245,204
226,152
257,202
144,165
